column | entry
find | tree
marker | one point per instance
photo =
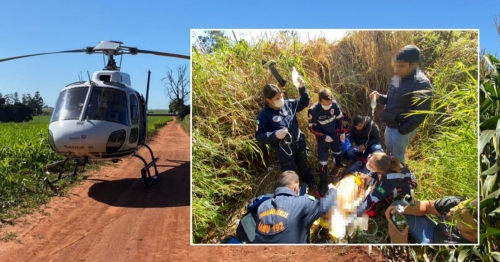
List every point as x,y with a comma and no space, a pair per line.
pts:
16,97
37,103
177,88
9,99
212,41
175,105
2,99
15,113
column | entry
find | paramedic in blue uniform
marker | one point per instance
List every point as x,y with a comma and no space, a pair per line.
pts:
391,181
325,121
277,125
287,217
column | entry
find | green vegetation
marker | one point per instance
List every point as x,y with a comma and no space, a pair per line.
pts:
34,103
159,111
24,151
186,124
155,123
229,166
489,146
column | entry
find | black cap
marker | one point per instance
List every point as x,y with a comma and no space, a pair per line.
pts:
409,53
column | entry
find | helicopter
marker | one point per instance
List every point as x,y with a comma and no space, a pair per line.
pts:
103,118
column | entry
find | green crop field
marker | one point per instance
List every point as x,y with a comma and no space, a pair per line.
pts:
24,151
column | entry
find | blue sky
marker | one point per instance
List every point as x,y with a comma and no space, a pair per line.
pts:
35,26
43,26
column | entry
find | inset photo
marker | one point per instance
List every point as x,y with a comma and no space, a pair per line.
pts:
334,136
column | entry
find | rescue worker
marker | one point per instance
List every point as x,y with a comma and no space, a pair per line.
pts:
277,125
365,140
287,217
325,121
410,90
458,222
391,181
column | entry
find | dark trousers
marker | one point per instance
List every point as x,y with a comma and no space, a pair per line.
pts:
297,160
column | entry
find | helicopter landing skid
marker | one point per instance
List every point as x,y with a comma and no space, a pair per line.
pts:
145,174
61,165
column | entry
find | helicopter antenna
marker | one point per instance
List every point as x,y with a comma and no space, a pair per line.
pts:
147,89
88,74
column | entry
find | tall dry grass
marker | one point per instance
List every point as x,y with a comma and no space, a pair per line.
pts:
229,166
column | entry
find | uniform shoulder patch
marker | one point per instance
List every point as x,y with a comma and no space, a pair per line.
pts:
312,198
381,190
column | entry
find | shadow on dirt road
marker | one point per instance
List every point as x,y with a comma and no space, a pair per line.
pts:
171,189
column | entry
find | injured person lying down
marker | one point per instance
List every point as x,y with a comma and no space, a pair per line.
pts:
357,196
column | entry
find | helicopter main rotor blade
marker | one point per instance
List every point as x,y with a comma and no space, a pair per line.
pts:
49,53
163,54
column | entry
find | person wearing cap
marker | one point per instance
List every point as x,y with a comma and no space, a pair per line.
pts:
409,91
277,125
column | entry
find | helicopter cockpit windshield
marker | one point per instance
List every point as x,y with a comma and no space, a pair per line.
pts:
105,104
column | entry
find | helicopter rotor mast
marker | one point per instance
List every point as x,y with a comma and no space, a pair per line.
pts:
110,49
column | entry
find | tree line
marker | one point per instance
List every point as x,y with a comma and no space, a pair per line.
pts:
15,109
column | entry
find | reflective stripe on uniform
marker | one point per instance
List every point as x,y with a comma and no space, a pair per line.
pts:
331,119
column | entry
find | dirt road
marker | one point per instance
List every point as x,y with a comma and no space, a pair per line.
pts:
111,216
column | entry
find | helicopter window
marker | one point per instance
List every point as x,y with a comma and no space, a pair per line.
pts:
105,78
69,104
108,104
134,109
134,134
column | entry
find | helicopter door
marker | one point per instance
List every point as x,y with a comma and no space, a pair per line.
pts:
143,129
134,117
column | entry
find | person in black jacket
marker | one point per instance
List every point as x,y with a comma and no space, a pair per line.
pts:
365,139
409,91
277,125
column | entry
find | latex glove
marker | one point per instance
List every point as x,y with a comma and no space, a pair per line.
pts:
301,81
280,134
374,93
328,139
342,137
